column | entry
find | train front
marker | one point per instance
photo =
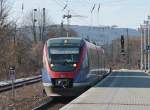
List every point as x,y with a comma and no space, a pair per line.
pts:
62,59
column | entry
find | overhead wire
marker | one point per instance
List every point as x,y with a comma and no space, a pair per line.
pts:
68,8
65,5
68,3
98,14
59,4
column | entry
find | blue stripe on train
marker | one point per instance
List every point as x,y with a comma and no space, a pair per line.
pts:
45,76
81,76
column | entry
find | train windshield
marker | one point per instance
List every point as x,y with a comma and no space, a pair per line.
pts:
64,59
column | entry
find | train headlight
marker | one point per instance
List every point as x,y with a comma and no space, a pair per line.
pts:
52,65
74,65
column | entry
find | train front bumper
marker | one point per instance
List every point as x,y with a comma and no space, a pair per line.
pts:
76,90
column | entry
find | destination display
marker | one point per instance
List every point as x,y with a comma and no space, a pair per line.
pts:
64,50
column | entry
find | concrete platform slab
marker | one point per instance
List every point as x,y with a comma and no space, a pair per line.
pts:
119,91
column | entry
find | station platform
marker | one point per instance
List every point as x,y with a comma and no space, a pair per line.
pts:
121,90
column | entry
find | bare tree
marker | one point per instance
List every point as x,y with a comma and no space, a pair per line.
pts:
4,14
38,20
116,59
43,22
7,35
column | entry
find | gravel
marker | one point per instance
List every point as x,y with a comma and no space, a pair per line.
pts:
25,97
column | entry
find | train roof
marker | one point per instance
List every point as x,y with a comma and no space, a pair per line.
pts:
65,41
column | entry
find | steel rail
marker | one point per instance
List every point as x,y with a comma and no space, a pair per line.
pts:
26,81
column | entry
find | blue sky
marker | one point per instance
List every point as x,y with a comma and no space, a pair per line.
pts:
124,13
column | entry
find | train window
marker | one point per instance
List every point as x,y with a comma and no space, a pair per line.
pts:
64,59
64,54
64,62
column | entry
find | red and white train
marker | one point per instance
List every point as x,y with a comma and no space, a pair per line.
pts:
70,65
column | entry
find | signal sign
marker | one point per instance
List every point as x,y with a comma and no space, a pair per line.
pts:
122,43
12,73
148,47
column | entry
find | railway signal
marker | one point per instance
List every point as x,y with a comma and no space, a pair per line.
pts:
122,43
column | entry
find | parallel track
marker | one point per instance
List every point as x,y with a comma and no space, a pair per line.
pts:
57,102
20,84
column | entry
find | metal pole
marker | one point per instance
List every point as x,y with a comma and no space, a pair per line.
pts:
61,28
34,27
128,61
148,45
13,92
141,30
68,24
144,48
112,52
44,20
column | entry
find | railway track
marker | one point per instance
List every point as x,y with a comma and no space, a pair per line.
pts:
5,86
54,103
57,102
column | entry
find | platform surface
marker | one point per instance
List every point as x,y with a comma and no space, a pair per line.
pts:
119,91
